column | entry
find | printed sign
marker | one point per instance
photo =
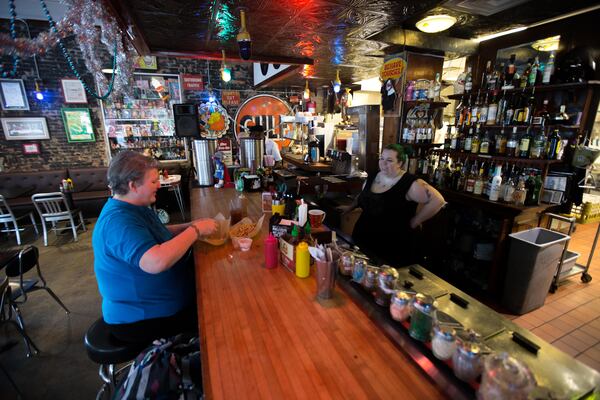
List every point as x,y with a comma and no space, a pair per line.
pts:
145,62
269,73
192,82
392,72
294,99
224,146
265,110
230,97
393,68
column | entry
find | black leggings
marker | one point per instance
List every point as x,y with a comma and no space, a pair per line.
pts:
147,330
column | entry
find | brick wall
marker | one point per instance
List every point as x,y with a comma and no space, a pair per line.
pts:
57,152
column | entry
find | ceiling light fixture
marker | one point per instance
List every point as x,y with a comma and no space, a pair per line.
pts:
225,71
498,34
337,84
547,44
435,23
306,92
243,37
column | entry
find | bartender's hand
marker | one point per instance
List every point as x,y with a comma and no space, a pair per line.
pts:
206,226
414,224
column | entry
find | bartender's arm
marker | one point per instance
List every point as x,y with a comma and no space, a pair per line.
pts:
432,201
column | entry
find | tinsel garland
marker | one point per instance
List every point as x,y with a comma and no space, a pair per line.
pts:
81,19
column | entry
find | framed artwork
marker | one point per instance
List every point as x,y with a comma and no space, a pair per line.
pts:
145,62
73,91
25,128
13,95
31,149
78,125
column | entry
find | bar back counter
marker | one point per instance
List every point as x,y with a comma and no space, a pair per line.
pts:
264,334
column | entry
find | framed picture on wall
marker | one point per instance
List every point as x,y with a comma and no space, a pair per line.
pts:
73,91
13,95
78,125
31,149
25,128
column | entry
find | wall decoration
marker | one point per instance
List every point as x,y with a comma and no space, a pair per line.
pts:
392,75
13,95
25,128
73,91
214,120
145,62
78,125
192,82
263,109
230,98
31,149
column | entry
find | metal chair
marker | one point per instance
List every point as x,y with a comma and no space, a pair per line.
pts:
18,266
7,217
7,307
54,208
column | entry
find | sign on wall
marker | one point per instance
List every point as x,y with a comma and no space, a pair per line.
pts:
269,73
192,82
264,110
392,73
230,97
224,146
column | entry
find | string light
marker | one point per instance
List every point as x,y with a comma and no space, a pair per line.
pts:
225,71
38,93
337,84
306,92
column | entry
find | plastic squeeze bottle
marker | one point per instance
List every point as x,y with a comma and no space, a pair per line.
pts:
270,252
302,260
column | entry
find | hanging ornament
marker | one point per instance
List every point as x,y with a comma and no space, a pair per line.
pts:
12,72
225,71
306,92
337,84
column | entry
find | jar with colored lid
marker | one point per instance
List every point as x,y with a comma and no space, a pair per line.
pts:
400,305
467,360
443,343
370,279
346,264
358,272
505,377
386,280
421,317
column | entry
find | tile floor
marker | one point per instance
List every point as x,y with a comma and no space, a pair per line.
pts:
570,318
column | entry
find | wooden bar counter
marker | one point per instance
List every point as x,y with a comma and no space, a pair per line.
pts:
265,336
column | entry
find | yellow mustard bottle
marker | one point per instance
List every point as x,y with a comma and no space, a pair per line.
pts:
302,260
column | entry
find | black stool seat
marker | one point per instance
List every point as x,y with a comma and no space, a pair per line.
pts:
103,348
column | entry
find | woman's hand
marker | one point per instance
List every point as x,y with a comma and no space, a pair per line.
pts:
206,226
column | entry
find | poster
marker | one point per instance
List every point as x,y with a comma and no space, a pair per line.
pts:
230,98
224,146
73,91
192,82
78,125
145,62
392,76
12,93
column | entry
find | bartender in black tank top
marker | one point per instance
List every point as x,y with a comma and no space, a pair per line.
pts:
394,203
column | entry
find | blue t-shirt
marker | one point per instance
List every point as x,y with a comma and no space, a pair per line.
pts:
123,233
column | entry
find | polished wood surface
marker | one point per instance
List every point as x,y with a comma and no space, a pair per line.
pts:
298,161
265,336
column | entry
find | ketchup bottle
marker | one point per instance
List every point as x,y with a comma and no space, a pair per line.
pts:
270,251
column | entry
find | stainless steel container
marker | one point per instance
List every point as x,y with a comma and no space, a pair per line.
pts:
203,162
251,153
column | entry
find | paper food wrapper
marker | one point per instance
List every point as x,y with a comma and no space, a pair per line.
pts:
233,230
222,234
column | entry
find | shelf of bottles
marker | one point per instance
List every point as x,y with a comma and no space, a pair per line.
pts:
144,122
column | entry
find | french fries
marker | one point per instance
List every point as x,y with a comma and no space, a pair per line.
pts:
242,230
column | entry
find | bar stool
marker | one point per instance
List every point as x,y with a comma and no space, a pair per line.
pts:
102,348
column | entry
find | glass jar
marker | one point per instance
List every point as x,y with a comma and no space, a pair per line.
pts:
421,317
467,360
400,305
346,264
505,377
386,280
358,272
370,279
443,343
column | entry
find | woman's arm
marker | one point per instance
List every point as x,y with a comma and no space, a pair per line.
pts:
420,192
163,256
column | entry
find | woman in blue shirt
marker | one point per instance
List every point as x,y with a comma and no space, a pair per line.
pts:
144,269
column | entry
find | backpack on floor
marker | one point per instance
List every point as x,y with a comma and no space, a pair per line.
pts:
169,369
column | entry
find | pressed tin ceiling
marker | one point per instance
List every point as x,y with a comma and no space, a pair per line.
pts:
329,34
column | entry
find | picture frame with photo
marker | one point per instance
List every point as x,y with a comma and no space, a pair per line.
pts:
73,91
25,128
31,149
13,96
78,125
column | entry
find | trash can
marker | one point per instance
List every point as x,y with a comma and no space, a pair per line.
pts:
532,263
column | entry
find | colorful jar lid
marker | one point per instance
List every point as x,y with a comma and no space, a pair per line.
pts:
444,332
424,303
401,298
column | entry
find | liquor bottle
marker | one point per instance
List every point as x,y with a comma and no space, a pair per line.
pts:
501,76
425,166
468,140
476,141
468,110
553,145
492,110
500,145
561,117
487,73
437,87
478,187
461,138
485,143
538,147
542,116
519,105
510,110
549,70
525,76
530,199
455,178
525,143
509,186
430,131
502,104
519,194
533,74
471,178
484,110
412,164
475,108
537,188
496,184
458,112
420,160
527,113
453,138
462,180
448,138
406,133
512,145
510,72
492,79
468,80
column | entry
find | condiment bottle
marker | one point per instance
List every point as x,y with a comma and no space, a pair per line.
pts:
270,251
302,260
421,317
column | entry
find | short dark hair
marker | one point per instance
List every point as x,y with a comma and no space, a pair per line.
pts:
128,166
401,152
